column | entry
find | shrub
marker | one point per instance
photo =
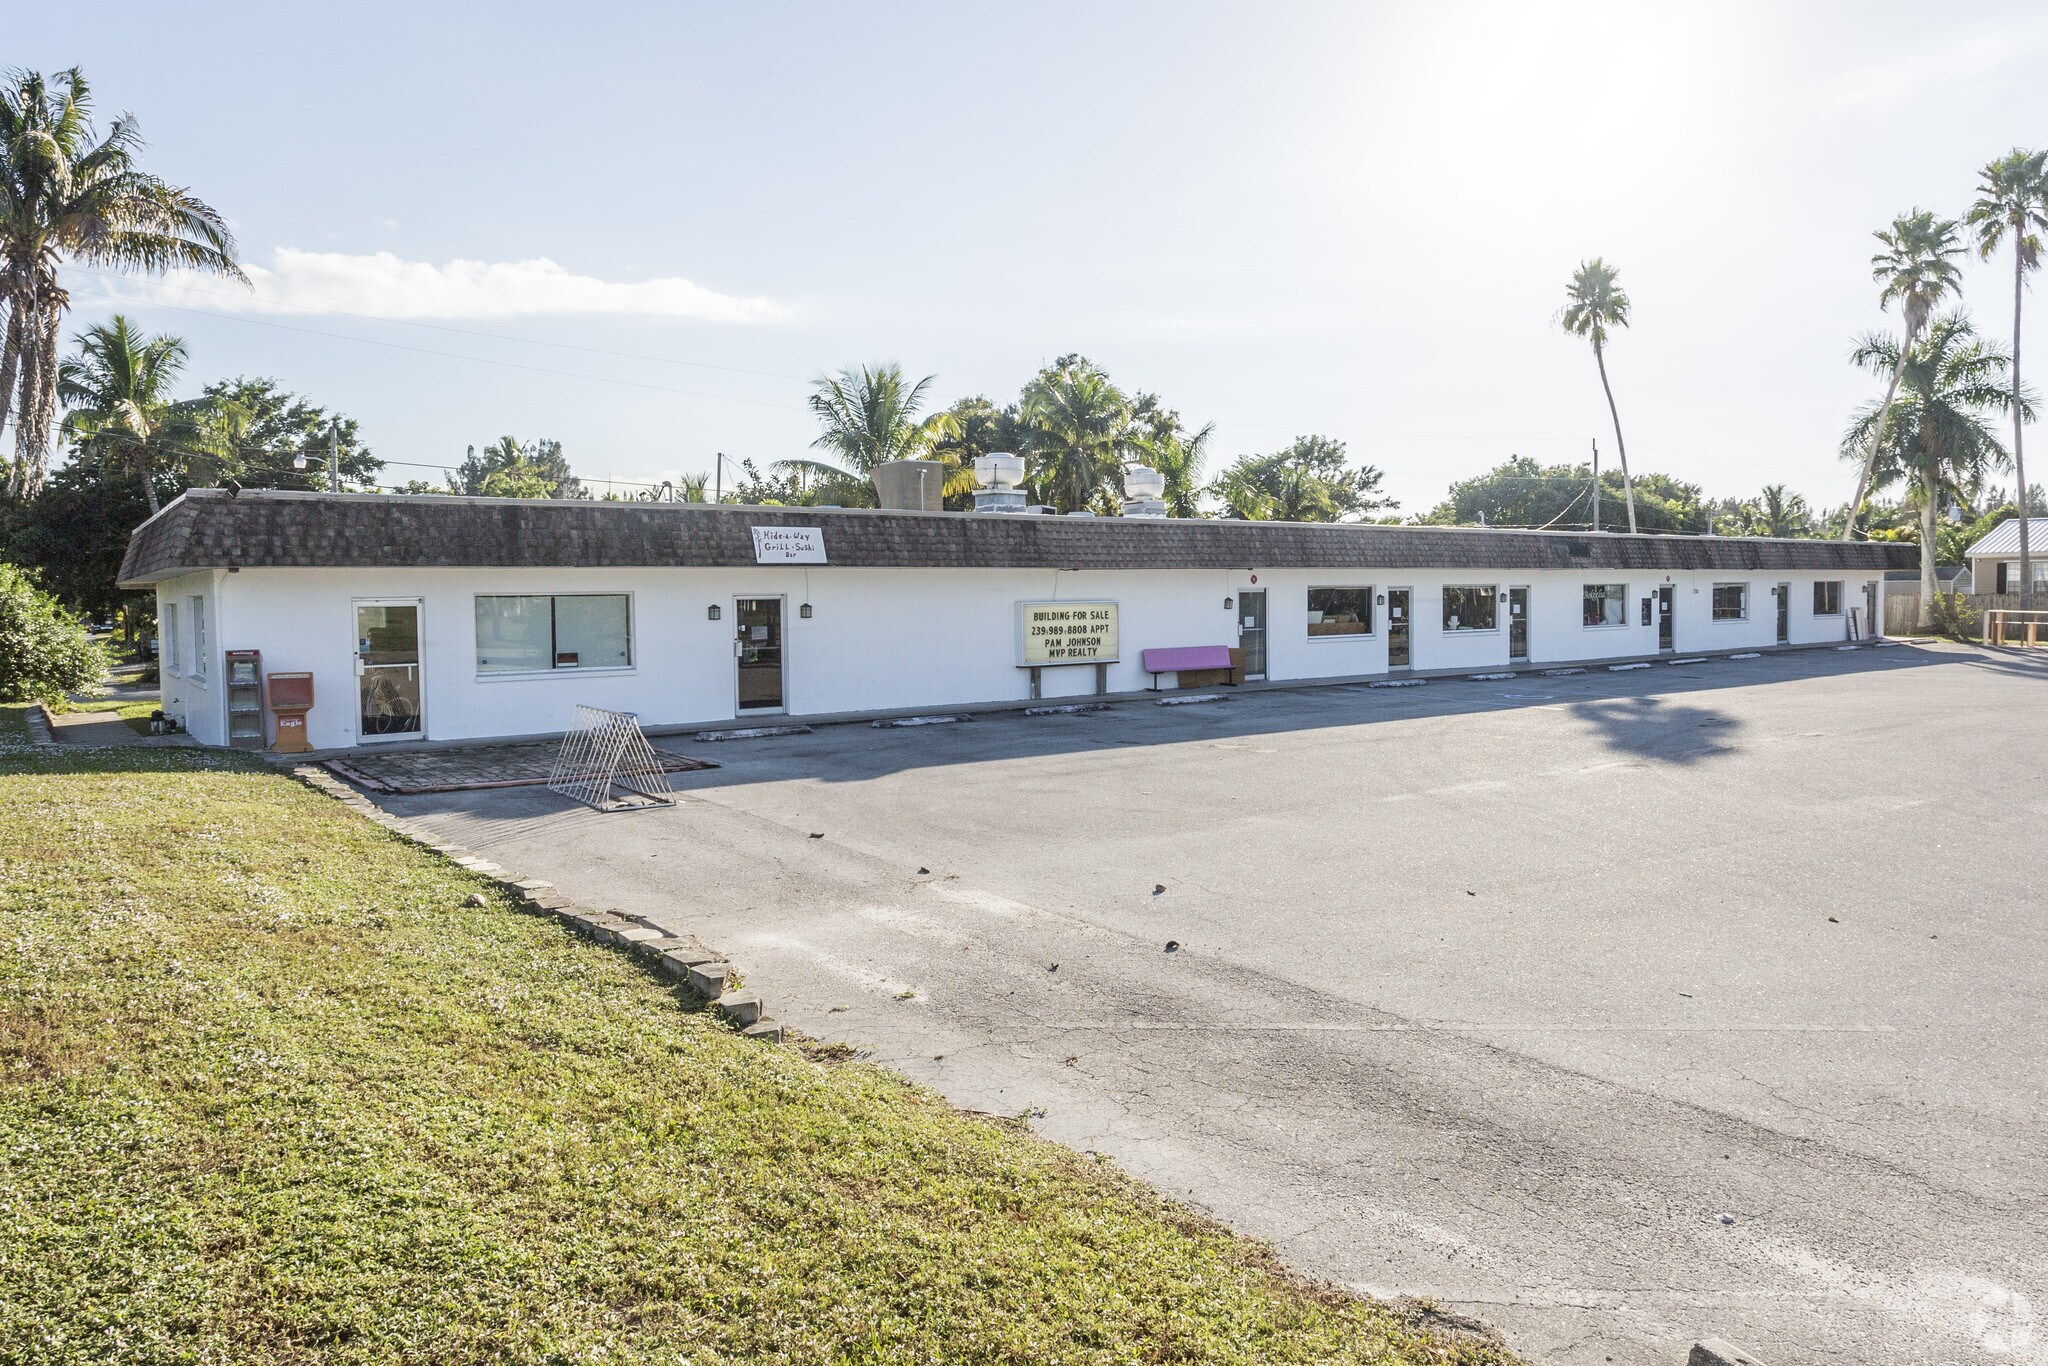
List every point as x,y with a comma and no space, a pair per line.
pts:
44,650
1952,615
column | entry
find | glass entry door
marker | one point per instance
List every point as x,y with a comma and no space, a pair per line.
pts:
389,693
758,649
1397,628
1784,614
1666,603
1251,631
1518,623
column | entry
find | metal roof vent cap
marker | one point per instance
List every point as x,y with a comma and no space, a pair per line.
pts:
1144,492
999,470
999,474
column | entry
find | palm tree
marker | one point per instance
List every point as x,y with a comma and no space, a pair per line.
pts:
1595,302
1930,431
68,194
1918,268
870,416
1778,512
2013,200
1179,455
119,409
1080,432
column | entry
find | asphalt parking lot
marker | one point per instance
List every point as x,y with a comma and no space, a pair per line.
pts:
1615,1009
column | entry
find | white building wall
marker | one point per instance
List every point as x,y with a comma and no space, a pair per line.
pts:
193,694
890,638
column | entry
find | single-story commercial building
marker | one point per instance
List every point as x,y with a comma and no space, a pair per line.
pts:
449,618
1995,558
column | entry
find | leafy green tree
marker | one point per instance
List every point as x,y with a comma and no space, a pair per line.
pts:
119,412
1310,481
1521,492
1931,432
1917,267
45,652
2012,203
73,535
68,194
1078,436
1594,303
276,426
537,469
868,415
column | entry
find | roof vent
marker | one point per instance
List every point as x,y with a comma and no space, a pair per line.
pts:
1144,492
999,474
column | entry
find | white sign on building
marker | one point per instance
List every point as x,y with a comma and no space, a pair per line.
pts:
789,545
1066,633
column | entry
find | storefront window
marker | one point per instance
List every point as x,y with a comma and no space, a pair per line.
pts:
529,633
1469,608
1339,612
1606,604
1731,602
1827,599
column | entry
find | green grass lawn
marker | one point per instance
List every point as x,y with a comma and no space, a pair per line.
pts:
271,1092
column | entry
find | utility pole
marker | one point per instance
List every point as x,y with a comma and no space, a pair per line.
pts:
718,479
334,455
1596,483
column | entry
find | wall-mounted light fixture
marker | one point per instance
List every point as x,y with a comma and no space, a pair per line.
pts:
804,611
712,613
1229,603
1381,599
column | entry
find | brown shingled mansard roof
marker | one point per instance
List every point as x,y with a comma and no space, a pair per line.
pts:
213,529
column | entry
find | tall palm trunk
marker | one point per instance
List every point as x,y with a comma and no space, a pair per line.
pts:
1930,582
38,407
1628,487
10,366
1884,417
2019,460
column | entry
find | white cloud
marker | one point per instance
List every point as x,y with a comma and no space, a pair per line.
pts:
382,285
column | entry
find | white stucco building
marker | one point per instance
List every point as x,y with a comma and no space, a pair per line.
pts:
445,618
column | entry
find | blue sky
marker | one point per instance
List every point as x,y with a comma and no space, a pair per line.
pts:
1349,219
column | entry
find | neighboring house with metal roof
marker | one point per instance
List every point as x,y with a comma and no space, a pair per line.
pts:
1995,559
445,617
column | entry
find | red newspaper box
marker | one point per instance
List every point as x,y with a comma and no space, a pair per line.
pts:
291,697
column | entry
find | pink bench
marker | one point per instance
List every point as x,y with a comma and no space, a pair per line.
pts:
1186,659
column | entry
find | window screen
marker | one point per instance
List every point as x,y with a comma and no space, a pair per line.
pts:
1606,604
1731,601
529,633
1340,611
1469,608
1827,599
168,642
